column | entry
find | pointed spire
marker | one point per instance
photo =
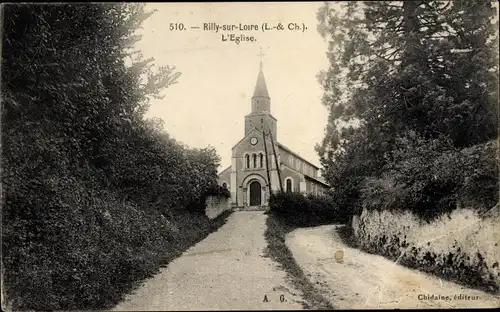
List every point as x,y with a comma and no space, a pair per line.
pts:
261,87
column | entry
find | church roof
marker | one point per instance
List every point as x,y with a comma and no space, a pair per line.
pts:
279,146
296,155
317,180
224,170
260,86
249,134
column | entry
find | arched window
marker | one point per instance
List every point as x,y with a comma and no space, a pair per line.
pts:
254,161
288,185
247,157
261,160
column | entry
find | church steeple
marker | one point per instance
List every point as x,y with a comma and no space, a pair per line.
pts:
260,86
261,102
260,117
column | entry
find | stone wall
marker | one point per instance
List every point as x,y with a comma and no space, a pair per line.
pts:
463,246
216,205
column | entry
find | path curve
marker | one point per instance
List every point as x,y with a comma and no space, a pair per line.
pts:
225,271
367,281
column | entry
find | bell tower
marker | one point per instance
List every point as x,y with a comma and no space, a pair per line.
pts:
260,117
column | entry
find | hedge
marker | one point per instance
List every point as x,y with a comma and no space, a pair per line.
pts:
306,210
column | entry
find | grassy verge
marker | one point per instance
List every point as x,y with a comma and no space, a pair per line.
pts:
346,234
278,251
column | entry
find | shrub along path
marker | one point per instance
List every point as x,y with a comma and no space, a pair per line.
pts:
364,281
227,270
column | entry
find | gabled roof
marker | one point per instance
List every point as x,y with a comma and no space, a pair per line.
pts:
296,155
279,146
224,170
246,136
316,180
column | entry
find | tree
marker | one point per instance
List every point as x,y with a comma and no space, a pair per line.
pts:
77,96
394,70
85,175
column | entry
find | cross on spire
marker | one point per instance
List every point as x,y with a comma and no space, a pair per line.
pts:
261,55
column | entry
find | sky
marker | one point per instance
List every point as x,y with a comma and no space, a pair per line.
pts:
208,104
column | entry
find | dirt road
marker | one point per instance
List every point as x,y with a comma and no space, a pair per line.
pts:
366,281
225,271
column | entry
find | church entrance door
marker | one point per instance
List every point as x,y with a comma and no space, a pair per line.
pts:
255,193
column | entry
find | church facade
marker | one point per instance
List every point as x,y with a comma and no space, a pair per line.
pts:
253,159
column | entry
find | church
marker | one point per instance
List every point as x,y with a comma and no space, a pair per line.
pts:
259,158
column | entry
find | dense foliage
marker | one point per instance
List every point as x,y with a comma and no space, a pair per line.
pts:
412,96
297,209
95,196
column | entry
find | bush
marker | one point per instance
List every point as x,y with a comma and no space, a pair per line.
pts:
434,179
219,190
68,246
298,209
479,187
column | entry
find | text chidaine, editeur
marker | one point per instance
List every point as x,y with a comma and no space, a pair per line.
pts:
446,297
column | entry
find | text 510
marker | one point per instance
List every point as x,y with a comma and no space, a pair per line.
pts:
176,26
